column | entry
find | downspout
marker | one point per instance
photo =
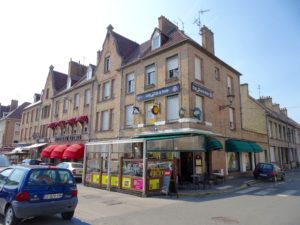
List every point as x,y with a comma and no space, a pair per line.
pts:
120,103
90,133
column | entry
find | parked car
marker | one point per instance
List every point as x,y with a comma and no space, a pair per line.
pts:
268,171
75,167
4,162
29,191
31,162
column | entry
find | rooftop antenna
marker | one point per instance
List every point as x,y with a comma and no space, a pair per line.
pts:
259,91
198,20
182,24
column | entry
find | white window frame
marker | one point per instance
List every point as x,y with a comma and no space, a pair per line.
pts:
172,108
107,64
106,90
173,67
229,86
129,119
105,120
76,101
198,68
130,83
231,118
150,75
87,97
66,105
156,40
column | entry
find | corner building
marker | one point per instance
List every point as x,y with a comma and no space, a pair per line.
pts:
168,104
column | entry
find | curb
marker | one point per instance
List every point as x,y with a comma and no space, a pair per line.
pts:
210,193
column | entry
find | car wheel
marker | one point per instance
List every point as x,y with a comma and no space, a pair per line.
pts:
10,218
67,215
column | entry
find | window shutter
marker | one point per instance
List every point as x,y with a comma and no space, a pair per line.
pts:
173,108
197,68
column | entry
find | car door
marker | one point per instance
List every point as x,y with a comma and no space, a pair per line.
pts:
3,194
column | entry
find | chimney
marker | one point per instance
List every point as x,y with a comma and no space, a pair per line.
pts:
76,68
276,108
165,25
110,28
284,111
266,101
98,56
36,97
13,105
208,39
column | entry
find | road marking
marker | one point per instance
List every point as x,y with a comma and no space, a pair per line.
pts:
248,190
224,187
287,193
265,192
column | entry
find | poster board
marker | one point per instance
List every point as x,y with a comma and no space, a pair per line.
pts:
169,185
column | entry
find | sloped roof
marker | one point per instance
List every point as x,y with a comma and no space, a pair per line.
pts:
59,81
17,113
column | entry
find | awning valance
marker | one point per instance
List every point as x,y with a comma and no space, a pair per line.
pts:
75,151
58,151
46,152
213,144
36,145
233,145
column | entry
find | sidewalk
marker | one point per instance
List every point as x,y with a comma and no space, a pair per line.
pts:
228,185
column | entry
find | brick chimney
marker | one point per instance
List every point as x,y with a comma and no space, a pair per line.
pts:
208,39
266,101
284,111
36,97
276,108
13,105
165,25
76,69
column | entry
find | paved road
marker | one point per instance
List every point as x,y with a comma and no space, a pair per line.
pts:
265,203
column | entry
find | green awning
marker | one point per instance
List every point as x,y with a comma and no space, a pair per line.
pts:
233,145
213,144
256,148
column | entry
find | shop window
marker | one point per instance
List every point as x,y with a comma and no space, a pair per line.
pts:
248,161
233,161
172,108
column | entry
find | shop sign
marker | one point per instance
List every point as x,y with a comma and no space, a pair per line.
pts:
114,181
154,184
95,178
138,184
159,92
104,180
201,90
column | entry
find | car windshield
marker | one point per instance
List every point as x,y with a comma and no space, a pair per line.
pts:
49,177
265,166
77,165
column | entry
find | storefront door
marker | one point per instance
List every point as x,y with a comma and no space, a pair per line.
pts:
186,167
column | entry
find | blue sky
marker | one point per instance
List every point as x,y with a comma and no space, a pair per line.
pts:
259,38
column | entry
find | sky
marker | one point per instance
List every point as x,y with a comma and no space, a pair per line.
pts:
259,38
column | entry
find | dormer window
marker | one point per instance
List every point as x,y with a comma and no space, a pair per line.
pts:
69,82
89,73
156,40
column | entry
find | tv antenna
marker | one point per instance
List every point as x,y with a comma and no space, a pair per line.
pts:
182,24
198,20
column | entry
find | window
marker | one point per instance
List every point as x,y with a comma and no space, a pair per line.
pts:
198,68
270,129
229,86
150,117
89,73
111,119
69,82
105,120
172,65
150,74
15,178
172,108
130,83
129,116
87,97
47,93
76,101
113,88
231,118
106,64
233,161
98,120
199,104
66,102
56,108
31,116
98,92
37,114
217,73
106,90
155,40
45,111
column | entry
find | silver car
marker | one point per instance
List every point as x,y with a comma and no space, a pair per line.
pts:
75,168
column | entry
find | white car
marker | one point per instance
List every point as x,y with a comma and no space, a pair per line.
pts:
75,168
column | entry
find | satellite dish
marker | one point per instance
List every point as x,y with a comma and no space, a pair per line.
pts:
197,113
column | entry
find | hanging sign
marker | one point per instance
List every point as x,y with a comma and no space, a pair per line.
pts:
159,92
201,90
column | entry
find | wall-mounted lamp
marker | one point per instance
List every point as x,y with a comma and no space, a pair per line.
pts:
181,112
230,100
136,110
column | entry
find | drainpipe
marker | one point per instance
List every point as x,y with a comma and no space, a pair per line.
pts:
91,111
121,99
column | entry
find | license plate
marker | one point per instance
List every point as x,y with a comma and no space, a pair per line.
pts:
53,196
262,175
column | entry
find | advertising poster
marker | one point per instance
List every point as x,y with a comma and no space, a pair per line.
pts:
104,180
126,182
114,181
153,184
138,184
88,178
95,178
